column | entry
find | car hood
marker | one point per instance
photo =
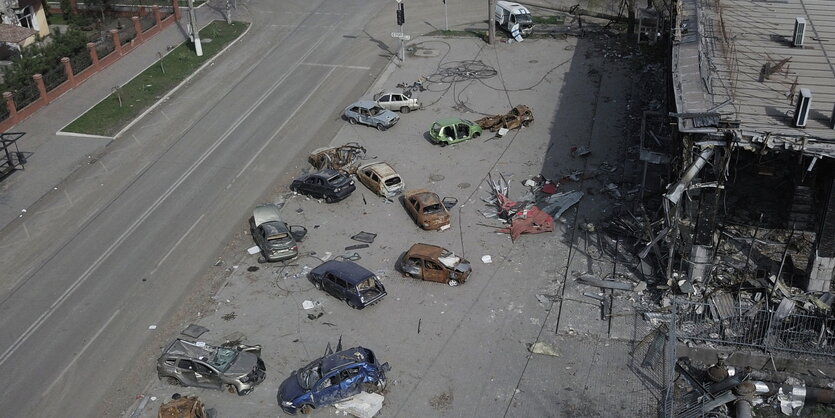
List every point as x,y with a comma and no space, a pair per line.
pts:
387,116
244,364
290,388
463,266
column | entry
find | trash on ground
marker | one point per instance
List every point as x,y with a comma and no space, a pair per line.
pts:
580,151
253,250
366,237
486,259
309,304
183,407
544,349
194,331
356,247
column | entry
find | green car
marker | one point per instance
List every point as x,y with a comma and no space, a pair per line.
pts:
453,131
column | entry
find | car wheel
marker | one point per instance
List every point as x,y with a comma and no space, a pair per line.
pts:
306,409
381,127
405,109
328,199
244,392
442,143
353,305
453,282
317,285
476,135
232,389
173,381
352,121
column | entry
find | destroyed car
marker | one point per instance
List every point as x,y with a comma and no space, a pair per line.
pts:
330,185
517,117
434,264
348,281
453,130
238,369
344,158
428,210
277,240
332,378
397,101
381,179
184,407
369,113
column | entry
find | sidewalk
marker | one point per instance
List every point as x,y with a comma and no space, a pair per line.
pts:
54,156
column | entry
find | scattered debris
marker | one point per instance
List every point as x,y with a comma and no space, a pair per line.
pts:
580,151
544,349
315,316
309,304
356,247
194,331
184,407
361,405
366,237
486,259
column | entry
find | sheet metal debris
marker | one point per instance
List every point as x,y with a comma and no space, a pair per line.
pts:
544,349
366,237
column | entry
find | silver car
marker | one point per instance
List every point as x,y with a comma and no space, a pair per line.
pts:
276,240
397,101
369,113
238,369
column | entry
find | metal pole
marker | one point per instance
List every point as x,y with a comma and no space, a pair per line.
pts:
195,36
446,20
490,23
753,241
402,47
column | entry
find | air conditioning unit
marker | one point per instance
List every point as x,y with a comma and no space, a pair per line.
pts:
801,112
799,31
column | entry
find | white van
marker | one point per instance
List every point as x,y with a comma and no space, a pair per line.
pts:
509,14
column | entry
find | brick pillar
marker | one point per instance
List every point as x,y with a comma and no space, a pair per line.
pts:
176,4
74,6
157,15
41,87
116,41
10,106
68,71
138,28
94,55
142,11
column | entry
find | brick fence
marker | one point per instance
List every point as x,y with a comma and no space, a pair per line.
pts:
73,79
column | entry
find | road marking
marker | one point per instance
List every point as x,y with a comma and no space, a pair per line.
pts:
352,67
275,134
112,248
83,349
179,241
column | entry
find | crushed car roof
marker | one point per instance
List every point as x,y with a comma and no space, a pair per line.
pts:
426,197
426,250
184,348
349,271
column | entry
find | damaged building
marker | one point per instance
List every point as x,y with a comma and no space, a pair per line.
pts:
743,235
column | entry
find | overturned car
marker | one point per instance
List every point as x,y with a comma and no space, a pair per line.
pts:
332,378
239,369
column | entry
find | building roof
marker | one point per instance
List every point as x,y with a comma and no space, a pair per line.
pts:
14,34
734,67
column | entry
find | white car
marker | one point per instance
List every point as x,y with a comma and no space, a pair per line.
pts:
397,101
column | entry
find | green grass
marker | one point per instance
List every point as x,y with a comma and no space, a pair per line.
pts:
129,100
549,20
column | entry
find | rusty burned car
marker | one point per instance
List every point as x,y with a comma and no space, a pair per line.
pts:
381,179
276,240
239,369
517,117
435,264
332,378
344,158
428,210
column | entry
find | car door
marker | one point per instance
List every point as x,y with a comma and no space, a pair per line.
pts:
329,283
385,101
414,208
462,131
311,186
327,391
434,272
260,238
350,380
185,368
365,116
205,376
413,266
373,181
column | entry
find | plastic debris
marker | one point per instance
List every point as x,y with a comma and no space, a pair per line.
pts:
486,259
309,304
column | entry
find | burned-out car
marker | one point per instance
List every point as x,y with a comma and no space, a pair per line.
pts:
397,101
453,130
237,368
434,264
330,379
517,117
344,157
348,281
381,179
427,209
277,240
370,113
330,185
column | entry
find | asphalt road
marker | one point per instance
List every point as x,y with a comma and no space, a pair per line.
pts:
126,240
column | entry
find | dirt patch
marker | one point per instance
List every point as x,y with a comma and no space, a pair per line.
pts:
442,401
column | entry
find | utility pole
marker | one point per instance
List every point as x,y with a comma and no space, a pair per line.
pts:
446,19
491,4
228,12
195,37
401,19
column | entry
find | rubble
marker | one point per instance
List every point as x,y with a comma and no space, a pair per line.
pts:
361,405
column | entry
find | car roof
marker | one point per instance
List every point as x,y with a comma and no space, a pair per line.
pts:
183,348
266,213
424,196
344,357
364,103
326,174
383,169
449,121
349,271
426,250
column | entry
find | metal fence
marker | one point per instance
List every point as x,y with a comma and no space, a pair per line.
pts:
54,77
26,95
127,34
105,46
4,111
80,61
147,22
769,328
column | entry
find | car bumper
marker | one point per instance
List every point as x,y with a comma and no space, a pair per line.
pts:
281,255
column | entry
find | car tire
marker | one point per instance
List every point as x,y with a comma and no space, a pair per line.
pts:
317,285
306,409
452,282
405,109
173,381
476,135
442,143
381,127
353,305
244,392
328,199
352,121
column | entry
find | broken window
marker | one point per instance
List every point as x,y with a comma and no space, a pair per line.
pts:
186,364
433,208
391,181
366,284
335,179
432,266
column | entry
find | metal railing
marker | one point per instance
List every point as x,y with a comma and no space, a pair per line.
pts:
105,46
54,77
766,328
147,22
80,61
26,95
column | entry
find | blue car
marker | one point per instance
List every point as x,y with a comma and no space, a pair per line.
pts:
330,379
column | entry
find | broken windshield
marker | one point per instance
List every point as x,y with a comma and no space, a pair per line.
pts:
224,358
309,375
524,19
433,208
391,181
335,179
